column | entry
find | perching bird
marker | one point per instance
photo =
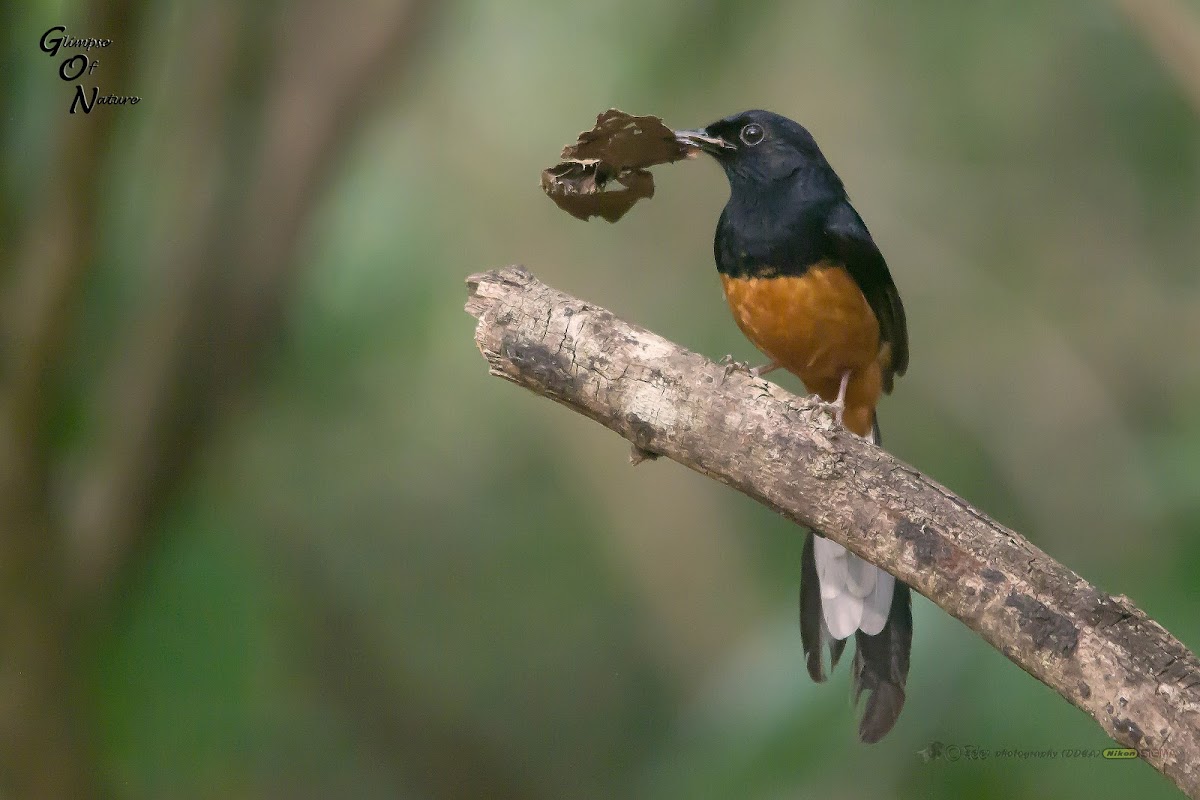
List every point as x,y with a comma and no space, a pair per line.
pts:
809,288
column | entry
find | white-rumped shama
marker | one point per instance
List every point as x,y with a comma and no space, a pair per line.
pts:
808,286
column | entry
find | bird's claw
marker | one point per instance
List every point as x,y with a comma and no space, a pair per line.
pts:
732,365
837,408
763,369
754,372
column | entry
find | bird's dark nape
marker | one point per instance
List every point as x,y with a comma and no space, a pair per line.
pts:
880,668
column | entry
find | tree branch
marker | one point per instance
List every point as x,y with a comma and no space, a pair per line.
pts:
1097,650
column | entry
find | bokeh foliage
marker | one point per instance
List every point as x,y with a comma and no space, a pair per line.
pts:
377,572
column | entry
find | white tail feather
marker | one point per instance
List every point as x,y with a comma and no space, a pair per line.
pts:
876,607
860,576
855,594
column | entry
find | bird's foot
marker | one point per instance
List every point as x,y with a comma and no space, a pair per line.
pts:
838,406
731,365
763,369
838,409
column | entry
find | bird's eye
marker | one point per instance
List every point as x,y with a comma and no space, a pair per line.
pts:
752,134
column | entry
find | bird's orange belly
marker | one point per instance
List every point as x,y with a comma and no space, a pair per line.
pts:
818,326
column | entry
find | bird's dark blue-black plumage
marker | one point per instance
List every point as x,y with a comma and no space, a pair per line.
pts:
788,210
808,285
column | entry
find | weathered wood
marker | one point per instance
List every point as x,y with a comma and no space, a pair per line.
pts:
1097,650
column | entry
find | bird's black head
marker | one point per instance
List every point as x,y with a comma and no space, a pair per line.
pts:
759,147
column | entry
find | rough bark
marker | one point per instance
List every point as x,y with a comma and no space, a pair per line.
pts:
1097,650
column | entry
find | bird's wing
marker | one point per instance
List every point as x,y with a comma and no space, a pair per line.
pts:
853,246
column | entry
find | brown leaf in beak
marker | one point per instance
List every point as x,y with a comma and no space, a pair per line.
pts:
619,148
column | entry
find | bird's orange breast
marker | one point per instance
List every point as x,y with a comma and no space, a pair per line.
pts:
817,325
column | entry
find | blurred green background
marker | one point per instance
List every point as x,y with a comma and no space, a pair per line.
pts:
268,529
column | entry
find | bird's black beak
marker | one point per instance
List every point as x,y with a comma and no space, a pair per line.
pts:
702,140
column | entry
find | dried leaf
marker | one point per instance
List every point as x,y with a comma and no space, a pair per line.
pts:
619,148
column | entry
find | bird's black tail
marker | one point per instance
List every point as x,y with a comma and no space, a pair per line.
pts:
880,666
813,631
